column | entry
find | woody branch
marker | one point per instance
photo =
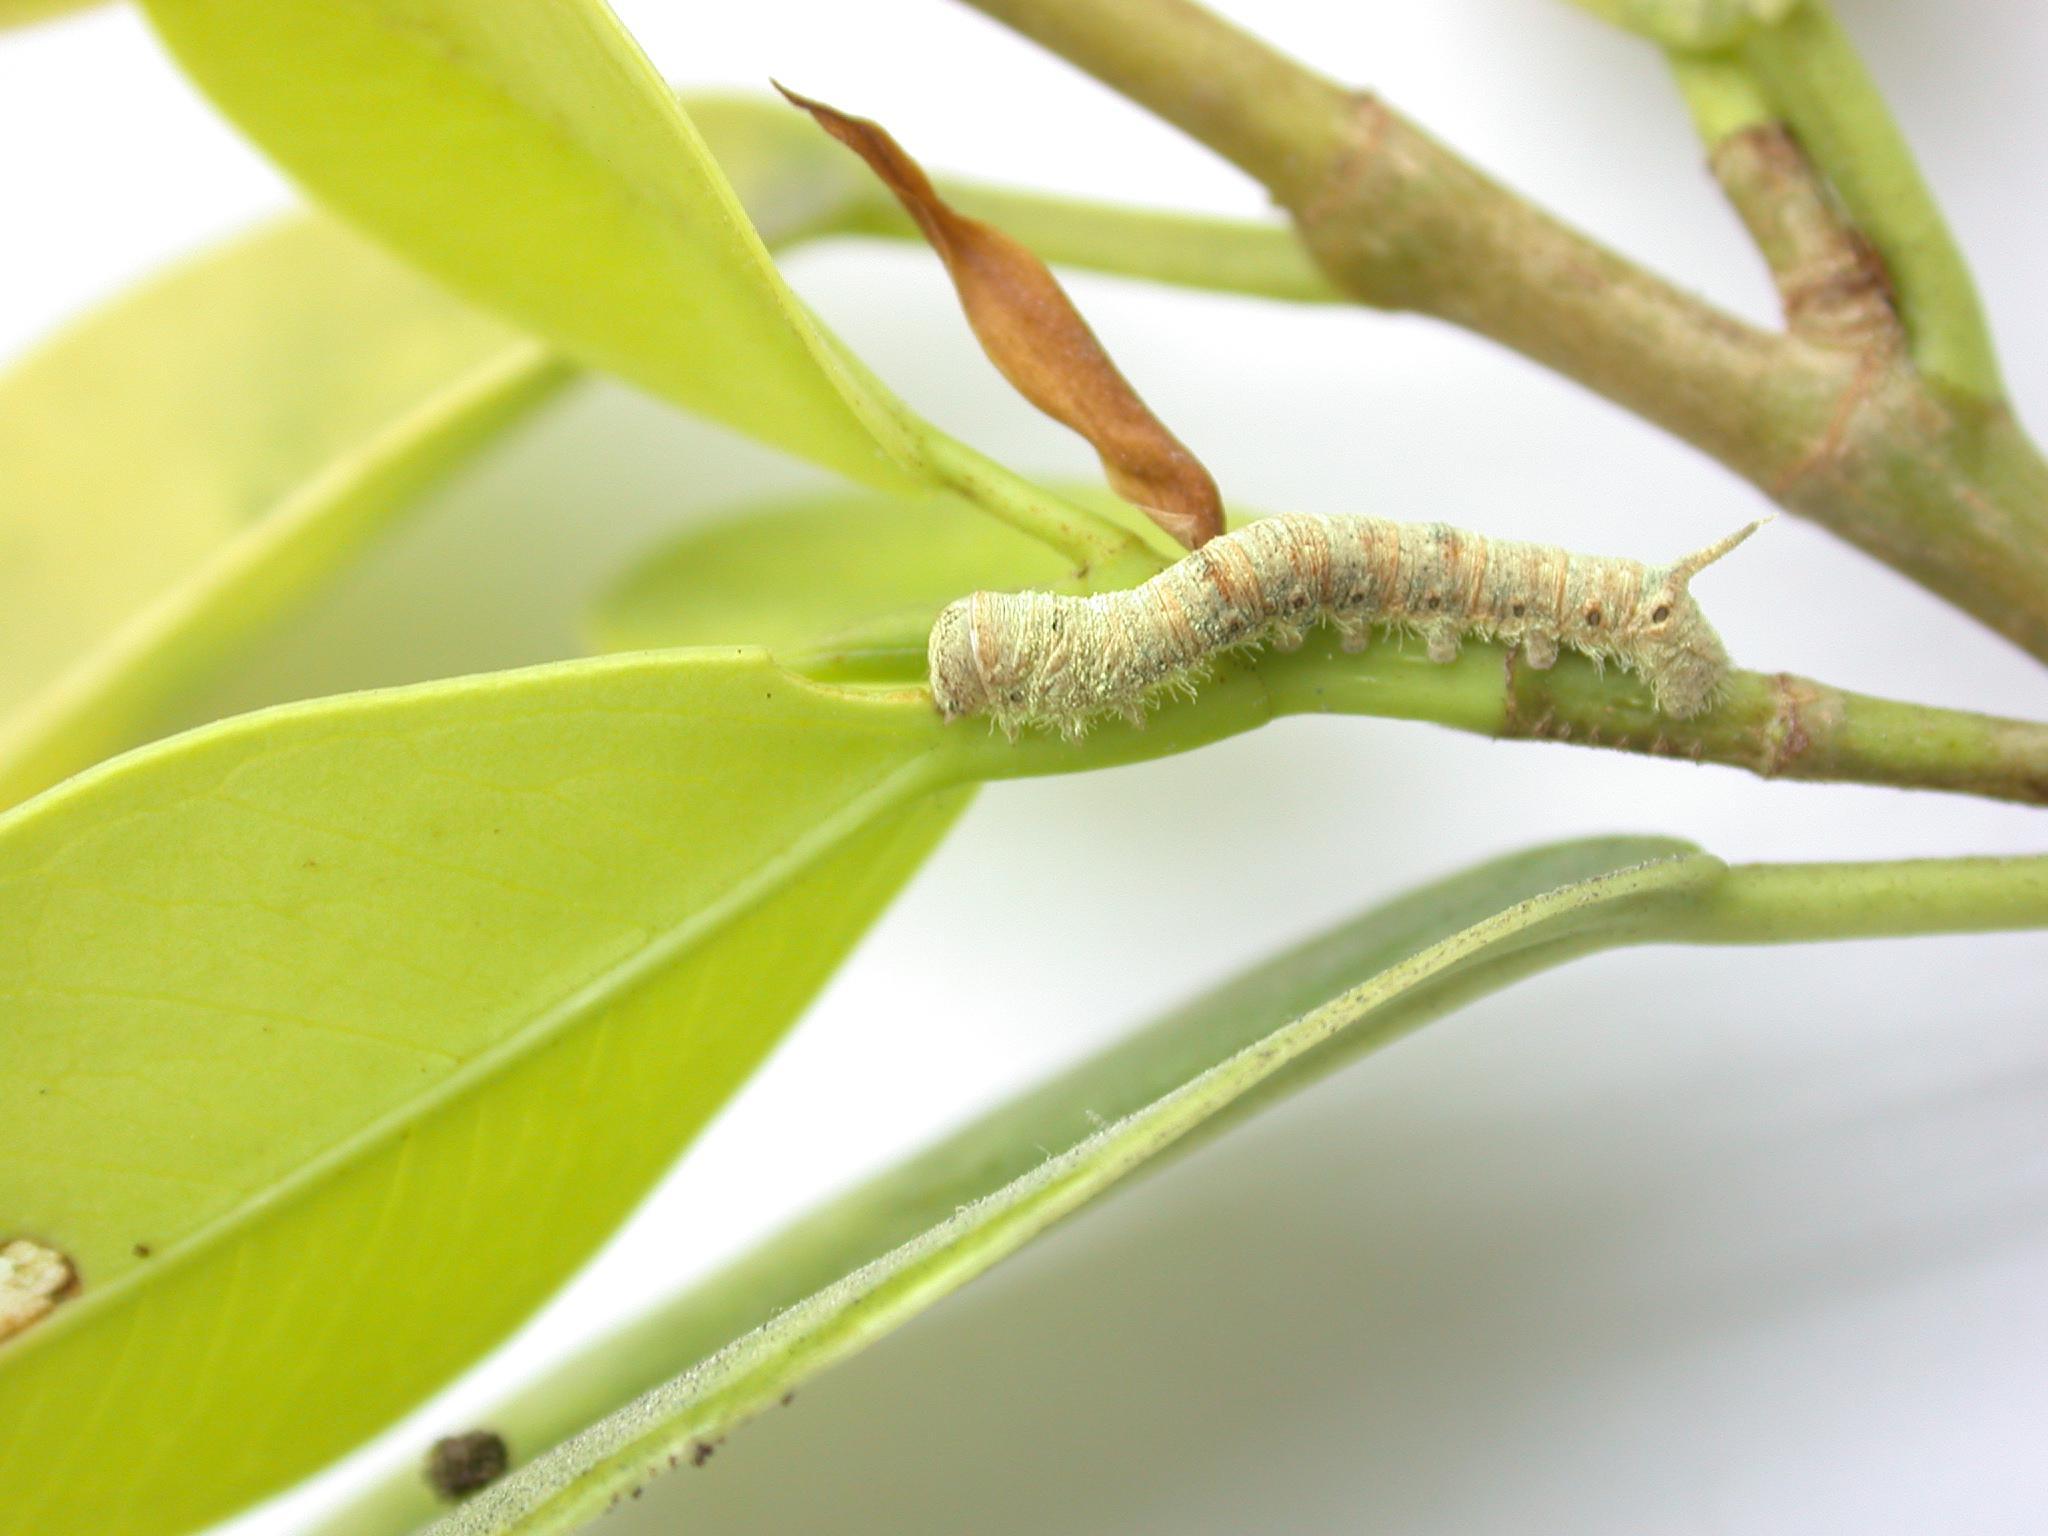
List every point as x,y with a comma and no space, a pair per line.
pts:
1876,411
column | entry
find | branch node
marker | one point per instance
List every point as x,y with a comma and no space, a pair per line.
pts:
1831,280
1786,739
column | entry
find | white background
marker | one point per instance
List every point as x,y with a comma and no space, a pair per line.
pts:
1686,1241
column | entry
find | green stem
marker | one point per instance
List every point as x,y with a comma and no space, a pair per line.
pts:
1720,93
1775,726
1798,903
1217,254
1814,78
1101,552
1688,26
1097,547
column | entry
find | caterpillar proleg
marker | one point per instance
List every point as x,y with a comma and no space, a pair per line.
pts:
1037,659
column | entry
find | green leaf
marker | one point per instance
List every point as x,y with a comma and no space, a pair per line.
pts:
17,13
528,154
842,586
846,1276
185,463
333,1038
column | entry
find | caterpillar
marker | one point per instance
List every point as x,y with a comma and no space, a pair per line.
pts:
1038,659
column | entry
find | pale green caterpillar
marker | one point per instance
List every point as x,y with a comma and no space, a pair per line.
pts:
1036,659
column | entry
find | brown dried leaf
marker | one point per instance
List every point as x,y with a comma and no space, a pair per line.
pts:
1031,331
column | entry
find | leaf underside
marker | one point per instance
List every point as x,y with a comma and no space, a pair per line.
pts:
845,1276
527,154
337,1036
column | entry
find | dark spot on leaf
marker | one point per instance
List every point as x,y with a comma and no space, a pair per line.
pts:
462,1464
701,1451
142,1250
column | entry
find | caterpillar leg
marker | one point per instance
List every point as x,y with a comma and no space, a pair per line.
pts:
1353,634
1285,635
1442,646
1541,651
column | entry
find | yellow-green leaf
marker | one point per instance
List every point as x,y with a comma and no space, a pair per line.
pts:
528,154
185,463
17,13
333,1038
182,464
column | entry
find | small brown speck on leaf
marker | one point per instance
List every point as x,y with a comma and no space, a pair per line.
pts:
1033,333
702,1451
34,1278
143,1250
462,1464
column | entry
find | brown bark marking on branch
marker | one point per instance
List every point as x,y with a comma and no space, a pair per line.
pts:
1366,133
1786,739
1831,279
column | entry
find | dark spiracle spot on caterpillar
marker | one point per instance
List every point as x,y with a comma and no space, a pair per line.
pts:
1035,659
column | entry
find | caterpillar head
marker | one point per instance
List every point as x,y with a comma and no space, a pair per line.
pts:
982,656
958,686
1684,659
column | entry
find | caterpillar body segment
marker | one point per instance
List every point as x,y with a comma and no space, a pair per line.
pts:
1038,659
